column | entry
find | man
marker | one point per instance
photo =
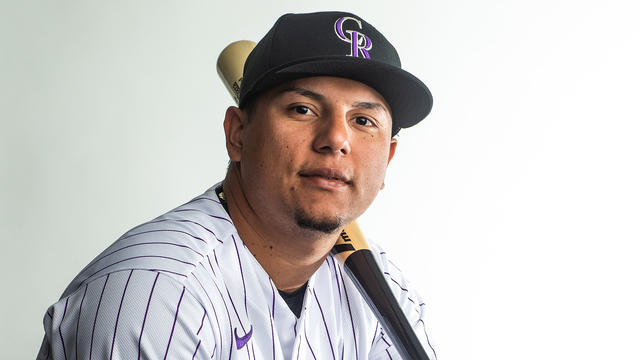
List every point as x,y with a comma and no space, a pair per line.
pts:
245,270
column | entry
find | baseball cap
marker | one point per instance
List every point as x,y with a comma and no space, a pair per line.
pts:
337,44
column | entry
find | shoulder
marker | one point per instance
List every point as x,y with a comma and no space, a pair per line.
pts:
392,272
135,298
172,244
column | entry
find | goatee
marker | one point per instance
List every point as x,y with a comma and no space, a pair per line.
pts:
326,225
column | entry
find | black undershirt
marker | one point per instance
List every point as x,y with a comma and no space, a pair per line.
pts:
293,299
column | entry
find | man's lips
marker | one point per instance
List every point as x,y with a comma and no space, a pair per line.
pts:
327,173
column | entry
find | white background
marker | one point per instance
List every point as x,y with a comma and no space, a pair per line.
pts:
513,208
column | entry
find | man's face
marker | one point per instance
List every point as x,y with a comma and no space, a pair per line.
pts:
315,151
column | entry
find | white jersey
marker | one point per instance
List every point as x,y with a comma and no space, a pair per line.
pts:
184,286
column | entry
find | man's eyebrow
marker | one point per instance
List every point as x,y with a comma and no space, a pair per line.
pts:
319,97
304,92
370,106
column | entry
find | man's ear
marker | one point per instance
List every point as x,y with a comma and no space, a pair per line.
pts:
234,123
392,151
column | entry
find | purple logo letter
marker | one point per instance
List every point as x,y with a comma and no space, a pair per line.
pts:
360,43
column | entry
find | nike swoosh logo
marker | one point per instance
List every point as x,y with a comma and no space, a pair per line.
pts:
241,341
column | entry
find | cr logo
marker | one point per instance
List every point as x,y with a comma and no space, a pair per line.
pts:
360,43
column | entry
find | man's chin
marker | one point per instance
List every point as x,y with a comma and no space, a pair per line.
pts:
327,224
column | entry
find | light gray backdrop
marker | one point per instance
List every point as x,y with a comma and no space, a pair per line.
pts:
513,207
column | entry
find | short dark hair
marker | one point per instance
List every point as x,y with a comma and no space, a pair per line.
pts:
250,106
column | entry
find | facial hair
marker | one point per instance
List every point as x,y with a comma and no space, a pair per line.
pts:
327,225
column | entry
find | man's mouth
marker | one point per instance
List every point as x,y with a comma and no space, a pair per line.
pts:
330,174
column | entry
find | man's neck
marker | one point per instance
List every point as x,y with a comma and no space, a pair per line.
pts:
288,253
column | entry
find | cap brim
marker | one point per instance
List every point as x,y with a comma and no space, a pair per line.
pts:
409,98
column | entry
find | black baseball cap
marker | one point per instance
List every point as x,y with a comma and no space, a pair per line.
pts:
335,44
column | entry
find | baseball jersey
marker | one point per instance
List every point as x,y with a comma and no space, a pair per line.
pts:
184,286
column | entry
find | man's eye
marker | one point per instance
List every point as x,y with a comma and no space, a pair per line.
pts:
300,109
360,120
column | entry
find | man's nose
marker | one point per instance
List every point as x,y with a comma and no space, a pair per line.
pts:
333,135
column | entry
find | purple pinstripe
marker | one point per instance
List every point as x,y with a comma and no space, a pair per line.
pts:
163,230
308,344
211,265
165,271
215,257
234,306
424,328
115,328
394,280
223,301
96,317
202,212
146,311
79,315
234,309
273,313
335,272
177,220
375,332
228,315
273,299
324,321
353,329
244,287
196,351
201,322
60,327
147,243
295,330
383,339
212,306
273,339
204,198
403,289
173,327
141,257
414,303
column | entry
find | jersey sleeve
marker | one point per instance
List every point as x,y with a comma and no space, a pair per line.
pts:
412,304
129,314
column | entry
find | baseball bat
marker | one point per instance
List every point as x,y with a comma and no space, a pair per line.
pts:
351,248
